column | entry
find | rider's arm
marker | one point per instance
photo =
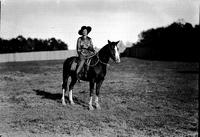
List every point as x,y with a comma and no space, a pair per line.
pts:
78,46
91,45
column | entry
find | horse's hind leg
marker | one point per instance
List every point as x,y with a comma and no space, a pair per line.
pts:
91,95
71,86
98,86
64,89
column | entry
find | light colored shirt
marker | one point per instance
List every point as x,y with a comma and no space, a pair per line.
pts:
84,46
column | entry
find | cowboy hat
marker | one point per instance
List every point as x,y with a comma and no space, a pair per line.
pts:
88,28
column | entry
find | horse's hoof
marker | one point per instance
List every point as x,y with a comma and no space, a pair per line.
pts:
98,107
78,80
72,103
91,108
64,104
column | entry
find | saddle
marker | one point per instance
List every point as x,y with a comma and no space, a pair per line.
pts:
85,68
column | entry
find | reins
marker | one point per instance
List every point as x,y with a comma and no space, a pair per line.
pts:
99,60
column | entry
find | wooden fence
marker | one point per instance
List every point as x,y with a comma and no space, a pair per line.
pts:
34,56
141,52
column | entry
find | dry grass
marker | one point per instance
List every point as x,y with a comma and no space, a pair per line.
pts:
138,98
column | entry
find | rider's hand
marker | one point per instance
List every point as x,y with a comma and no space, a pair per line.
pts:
91,49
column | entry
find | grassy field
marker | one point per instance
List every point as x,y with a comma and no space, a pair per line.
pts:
138,98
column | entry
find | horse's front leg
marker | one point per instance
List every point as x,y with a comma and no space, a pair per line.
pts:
98,86
91,94
63,96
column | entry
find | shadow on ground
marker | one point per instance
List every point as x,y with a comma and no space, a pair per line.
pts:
57,97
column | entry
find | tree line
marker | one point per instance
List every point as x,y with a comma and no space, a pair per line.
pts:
177,41
21,44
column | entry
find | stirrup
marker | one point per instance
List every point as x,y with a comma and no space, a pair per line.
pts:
78,78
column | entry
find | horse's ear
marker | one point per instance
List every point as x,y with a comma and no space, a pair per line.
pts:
109,41
117,42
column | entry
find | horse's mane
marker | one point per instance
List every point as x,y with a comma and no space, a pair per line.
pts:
103,48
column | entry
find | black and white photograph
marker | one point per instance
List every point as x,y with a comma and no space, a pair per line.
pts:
99,68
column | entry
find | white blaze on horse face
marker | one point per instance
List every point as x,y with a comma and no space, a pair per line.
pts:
117,55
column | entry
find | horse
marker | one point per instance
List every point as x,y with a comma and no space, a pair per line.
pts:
96,72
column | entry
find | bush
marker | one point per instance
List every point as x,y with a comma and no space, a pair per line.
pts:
21,44
178,41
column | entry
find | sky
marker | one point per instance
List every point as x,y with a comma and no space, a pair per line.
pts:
110,19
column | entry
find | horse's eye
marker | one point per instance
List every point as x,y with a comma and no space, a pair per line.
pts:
113,46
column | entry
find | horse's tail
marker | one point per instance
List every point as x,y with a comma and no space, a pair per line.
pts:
66,71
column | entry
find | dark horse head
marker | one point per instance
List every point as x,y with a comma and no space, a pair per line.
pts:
95,74
111,50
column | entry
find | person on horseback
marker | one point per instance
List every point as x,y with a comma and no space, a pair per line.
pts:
84,48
